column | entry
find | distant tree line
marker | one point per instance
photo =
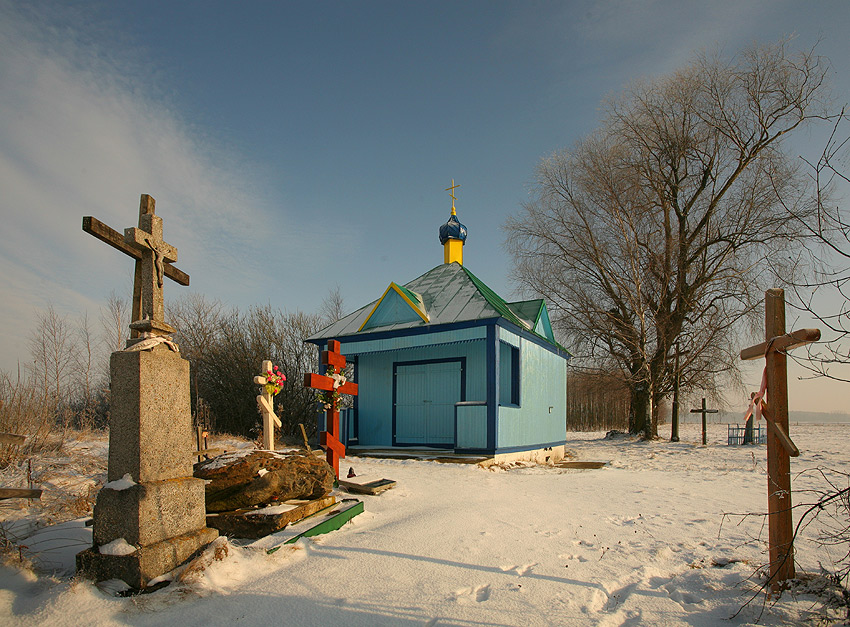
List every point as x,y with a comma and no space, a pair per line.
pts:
65,381
225,350
596,401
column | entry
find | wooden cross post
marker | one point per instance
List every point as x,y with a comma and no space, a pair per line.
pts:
265,402
780,448
703,411
153,262
329,440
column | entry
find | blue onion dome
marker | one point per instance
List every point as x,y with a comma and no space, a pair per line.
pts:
452,229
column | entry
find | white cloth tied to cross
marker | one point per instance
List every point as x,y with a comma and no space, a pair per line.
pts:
339,379
149,342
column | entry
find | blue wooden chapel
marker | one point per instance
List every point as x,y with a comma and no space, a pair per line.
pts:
444,362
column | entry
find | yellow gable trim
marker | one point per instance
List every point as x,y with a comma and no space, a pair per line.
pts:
392,286
415,307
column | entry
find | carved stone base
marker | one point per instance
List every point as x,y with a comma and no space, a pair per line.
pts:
148,562
149,512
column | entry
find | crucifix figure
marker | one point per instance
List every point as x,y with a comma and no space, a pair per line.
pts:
332,385
153,262
780,447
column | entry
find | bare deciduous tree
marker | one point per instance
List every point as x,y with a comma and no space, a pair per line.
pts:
332,307
53,354
115,321
226,351
85,359
829,252
661,225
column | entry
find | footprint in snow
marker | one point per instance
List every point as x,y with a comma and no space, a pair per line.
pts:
524,570
478,593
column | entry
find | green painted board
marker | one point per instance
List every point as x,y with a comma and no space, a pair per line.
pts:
345,511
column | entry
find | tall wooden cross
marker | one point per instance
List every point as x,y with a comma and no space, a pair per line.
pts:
780,448
153,262
334,382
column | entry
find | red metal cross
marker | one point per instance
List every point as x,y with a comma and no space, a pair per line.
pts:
329,440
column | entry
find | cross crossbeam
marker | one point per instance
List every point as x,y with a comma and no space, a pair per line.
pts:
110,236
153,258
702,410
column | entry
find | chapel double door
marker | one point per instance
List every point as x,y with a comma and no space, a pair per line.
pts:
425,403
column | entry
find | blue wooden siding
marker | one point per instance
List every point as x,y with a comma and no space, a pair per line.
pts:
375,380
543,385
471,426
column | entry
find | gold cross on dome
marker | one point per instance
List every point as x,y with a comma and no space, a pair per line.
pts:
451,191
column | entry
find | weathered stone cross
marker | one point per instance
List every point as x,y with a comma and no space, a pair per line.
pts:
153,262
336,365
780,448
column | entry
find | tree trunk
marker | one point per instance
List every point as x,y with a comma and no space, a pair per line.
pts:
656,413
639,419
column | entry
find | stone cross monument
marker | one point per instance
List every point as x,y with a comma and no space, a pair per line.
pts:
151,516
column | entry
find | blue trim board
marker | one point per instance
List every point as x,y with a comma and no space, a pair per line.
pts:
516,376
510,326
421,362
420,330
492,385
355,427
502,322
529,447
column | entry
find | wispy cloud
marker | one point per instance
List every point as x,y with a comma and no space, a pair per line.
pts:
84,133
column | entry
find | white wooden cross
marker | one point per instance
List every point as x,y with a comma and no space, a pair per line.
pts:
265,403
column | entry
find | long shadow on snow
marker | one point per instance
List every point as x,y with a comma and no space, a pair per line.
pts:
445,562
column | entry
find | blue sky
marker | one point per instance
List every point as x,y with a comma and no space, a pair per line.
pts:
295,146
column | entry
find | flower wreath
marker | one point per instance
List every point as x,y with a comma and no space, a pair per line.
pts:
330,398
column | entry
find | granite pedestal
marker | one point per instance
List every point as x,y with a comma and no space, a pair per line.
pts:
162,512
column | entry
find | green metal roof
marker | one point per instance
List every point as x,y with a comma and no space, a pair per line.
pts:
450,293
497,302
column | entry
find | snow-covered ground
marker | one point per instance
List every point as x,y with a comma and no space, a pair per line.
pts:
652,538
